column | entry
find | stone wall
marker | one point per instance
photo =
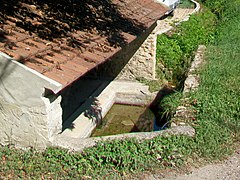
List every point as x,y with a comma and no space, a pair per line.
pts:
76,94
142,63
133,61
26,117
136,60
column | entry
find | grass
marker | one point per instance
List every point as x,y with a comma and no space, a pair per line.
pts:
108,159
175,49
186,4
217,107
217,101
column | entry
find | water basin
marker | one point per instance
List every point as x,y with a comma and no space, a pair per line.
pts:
125,119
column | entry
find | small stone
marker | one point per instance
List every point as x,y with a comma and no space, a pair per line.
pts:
182,124
127,123
48,43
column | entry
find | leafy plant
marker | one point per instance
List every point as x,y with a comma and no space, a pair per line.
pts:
175,51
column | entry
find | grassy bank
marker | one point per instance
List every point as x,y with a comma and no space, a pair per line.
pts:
175,49
216,103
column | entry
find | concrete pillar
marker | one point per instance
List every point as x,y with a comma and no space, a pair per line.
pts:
26,117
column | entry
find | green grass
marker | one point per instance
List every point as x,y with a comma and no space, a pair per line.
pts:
217,101
109,159
186,4
175,50
217,107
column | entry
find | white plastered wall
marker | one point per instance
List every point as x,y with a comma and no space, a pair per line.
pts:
26,117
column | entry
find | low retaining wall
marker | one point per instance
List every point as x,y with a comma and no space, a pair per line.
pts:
77,144
183,113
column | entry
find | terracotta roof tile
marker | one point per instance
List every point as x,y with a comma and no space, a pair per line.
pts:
67,46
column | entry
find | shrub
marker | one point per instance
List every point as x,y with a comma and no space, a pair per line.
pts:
169,53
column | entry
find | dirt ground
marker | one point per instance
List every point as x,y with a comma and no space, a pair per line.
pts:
228,169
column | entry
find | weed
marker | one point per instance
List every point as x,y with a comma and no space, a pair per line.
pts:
175,51
186,4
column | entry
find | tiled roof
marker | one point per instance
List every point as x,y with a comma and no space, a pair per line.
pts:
65,46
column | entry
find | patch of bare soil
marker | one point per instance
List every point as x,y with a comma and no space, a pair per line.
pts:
228,169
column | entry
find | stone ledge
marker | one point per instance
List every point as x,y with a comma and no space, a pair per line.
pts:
78,144
193,80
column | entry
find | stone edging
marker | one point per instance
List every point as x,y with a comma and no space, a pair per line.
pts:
197,8
192,81
184,113
76,144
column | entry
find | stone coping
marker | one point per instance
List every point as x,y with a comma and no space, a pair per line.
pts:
78,144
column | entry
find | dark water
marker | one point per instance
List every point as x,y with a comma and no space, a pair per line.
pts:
124,119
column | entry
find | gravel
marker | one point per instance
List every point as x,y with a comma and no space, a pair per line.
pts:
228,169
